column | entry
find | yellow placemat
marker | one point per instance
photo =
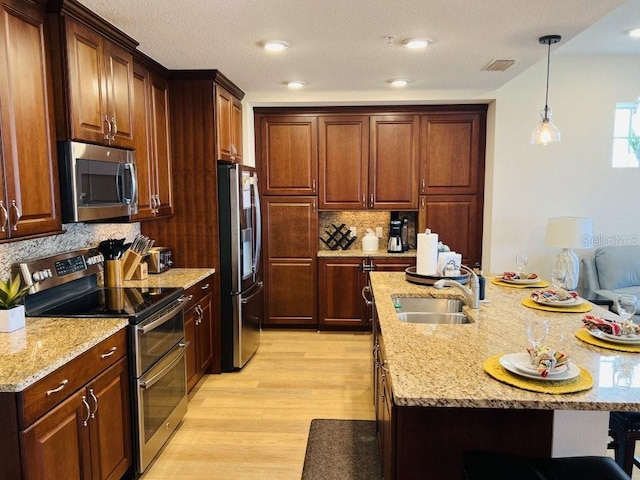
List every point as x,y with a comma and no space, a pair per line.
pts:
540,284
584,381
581,308
586,337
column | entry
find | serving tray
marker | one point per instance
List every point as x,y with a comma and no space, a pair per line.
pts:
412,276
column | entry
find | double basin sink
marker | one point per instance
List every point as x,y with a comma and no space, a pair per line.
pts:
430,310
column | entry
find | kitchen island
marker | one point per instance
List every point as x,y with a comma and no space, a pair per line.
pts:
444,401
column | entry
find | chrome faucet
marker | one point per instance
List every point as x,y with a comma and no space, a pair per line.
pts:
471,294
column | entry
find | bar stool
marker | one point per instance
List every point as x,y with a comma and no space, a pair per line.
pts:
624,430
478,465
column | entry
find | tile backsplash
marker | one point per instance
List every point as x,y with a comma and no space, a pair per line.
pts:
363,220
78,235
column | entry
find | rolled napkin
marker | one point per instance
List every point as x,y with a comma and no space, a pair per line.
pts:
518,276
591,322
545,359
553,295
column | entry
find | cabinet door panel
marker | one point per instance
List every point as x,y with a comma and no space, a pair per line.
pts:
224,103
120,93
290,227
58,444
393,164
343,162
144,160
340,286
161,144
28,146
289,155
291,297
111,425
190,316
87,88
457,219
236,129
450,154
205,334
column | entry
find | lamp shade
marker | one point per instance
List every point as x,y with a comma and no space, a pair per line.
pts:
569,232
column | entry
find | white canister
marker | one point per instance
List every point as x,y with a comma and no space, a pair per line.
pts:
370,241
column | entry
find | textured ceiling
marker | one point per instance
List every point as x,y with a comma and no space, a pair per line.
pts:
339,45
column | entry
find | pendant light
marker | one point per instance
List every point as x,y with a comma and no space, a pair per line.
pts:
546,132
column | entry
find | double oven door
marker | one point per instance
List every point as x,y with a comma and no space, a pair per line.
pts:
160,379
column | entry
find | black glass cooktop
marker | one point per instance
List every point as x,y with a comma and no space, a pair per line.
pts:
115,302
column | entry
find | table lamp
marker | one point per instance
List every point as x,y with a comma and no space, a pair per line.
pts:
568,233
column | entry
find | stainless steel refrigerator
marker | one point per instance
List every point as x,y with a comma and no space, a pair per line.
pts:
241,286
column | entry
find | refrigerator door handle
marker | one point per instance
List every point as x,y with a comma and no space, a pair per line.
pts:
256,264
260,288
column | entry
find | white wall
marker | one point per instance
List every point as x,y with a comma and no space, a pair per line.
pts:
526,184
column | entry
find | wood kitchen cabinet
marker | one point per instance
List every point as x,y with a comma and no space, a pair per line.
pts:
152,142
29,198
287,147
393,162
384,407
75,422
341,281
228,125
94,81
457,219
200,331
452,149
290,240
343,159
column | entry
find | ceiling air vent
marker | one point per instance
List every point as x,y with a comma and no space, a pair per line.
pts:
499,65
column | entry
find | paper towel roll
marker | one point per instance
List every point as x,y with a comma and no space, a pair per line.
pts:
427,254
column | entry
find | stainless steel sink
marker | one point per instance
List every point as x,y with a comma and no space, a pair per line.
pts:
446,311
434,317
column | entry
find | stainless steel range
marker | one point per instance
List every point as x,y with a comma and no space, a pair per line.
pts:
66,285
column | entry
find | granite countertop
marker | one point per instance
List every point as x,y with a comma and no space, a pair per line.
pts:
45,344
441,365
174,277
357,252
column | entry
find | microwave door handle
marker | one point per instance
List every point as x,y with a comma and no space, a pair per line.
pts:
134,182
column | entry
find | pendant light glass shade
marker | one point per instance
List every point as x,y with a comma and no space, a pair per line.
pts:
546,132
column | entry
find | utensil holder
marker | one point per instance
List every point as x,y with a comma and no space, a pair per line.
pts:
130,263
113,273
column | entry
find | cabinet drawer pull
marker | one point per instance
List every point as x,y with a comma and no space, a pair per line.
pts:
111,351
205,286
95,403
85,422
63,383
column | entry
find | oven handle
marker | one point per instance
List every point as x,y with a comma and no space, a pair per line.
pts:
178,356
162,319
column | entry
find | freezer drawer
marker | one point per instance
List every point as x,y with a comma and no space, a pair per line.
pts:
248,313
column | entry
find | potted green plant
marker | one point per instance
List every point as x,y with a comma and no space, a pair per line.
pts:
634,143
12,291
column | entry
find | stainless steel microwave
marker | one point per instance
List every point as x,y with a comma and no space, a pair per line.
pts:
96,182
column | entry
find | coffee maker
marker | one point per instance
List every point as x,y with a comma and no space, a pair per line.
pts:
395,237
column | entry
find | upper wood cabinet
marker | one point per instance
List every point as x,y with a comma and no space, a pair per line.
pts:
343,162
393,162
288,150
451,153
152,144
95,78
29,199
228,125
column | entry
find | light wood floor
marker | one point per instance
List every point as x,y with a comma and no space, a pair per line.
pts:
253,424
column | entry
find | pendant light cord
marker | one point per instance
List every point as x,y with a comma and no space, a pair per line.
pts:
546,96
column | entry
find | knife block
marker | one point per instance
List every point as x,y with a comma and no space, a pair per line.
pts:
130,262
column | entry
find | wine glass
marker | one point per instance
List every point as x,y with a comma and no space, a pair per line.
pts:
558,276
521,261
537,330
627,305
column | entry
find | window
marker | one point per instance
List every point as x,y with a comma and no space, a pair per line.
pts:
626,146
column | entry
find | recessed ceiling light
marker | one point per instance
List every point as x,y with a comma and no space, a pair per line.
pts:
275,45
296,84
416,43
400,82
635,32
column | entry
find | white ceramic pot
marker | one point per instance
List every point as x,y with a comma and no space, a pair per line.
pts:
12,319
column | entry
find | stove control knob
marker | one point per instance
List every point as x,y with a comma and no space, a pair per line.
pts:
38,276
48,273
91,260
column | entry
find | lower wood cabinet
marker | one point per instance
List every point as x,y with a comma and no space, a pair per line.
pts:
340,284
75,423
201,332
